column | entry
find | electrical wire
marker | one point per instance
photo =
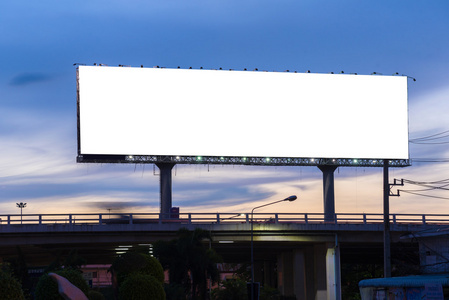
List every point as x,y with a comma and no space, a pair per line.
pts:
425,182
431,136
437,136
423,195
427,186
428,143
430,160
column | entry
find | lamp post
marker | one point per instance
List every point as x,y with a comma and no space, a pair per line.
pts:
291,198
21,205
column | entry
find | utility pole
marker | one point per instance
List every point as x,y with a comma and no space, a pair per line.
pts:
387,238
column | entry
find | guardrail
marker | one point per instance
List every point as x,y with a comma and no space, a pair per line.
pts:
218,218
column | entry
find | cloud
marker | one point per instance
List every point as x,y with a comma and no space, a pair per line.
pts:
29,78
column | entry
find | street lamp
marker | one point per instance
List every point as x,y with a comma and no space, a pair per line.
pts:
21,205
291,198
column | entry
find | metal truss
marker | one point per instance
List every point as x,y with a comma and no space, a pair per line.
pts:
231,160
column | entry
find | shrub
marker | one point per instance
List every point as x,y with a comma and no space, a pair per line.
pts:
95,295
139,286
10,288
47,288
133,262
154,268
232,289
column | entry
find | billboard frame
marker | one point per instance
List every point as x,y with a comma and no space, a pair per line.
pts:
249,161
225,160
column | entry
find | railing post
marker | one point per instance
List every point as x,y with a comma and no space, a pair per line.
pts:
424,219
160,218
190,218
9,220
130,219
394,219
306,219
100,219
218,218
70,219
276,218
40,219
364,218
247,218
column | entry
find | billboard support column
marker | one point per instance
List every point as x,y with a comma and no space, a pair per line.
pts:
165,183
328,192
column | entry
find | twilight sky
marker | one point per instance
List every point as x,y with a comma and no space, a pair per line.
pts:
41,40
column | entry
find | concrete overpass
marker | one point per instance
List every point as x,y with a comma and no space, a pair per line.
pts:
299,253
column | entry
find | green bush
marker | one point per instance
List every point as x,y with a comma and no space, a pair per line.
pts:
154,268
231,289
94,295
10,288
134,262
139,286
47,288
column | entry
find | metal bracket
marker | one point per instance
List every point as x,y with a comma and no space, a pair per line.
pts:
396,184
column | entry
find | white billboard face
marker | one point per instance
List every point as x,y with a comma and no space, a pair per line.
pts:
171,112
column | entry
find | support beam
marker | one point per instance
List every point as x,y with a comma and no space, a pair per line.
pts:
387,239
165,183
328,192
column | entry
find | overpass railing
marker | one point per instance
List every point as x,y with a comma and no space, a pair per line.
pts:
218,218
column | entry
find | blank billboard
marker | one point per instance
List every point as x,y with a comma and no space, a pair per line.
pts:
187,112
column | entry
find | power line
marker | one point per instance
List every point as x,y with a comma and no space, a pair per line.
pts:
433,136
423,195
425,139
428,143
425,182
430,160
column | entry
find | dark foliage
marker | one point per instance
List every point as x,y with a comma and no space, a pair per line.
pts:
10,287
138,286
190,261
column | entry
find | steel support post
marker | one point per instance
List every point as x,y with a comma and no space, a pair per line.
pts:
328,192
165,181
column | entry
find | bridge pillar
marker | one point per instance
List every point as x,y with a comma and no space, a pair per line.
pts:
165,183
321,273
286,273
299,278
320,280
328,192
295,274
333,272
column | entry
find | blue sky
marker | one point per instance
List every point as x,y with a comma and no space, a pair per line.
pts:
40,41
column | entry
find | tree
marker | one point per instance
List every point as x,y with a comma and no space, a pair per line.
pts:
189,261
10,288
